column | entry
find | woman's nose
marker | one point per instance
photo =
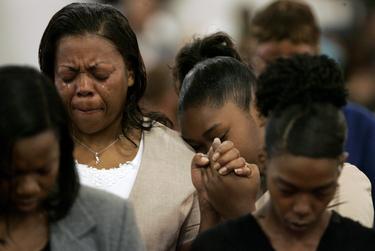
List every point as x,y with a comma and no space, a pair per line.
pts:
27,187
85,85
302,206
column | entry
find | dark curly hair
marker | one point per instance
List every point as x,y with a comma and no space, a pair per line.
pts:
217,44
109,23
302,97
302,79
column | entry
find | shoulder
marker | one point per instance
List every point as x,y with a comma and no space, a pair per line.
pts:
359,115
353,196
347,223
103,207
352,232
350,173
100,199
96,218
167,140
165,165
231,235
166,134
112,215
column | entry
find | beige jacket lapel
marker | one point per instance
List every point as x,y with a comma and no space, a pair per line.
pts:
162,194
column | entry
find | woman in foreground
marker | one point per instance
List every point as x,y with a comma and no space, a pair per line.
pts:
42,205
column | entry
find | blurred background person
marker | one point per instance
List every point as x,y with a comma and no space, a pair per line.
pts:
157,28
360,67
161,95
285,28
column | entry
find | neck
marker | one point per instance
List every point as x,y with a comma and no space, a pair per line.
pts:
24,231
99,139
15,220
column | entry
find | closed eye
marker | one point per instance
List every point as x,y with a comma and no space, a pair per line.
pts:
323,193
68,74
101,76
198,148
101,72
44,171
287,192
68,79
223,137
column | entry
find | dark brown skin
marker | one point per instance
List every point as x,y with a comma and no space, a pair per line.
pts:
36,165
93,79
300,189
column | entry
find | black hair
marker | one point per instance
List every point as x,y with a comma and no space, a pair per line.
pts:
215,81
109,23
302,97
217,44
31,105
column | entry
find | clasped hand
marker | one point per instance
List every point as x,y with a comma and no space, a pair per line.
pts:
225,183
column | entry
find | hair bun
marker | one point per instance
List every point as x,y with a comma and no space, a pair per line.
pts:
300,80
218,44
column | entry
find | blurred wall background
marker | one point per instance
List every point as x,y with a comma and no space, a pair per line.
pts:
158,21
163,26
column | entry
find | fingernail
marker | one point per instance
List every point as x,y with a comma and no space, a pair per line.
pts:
205,159
216,166
238,171
215,156
223,170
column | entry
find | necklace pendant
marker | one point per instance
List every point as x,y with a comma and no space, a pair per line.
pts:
97,160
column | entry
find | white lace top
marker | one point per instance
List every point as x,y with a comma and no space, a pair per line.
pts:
117,180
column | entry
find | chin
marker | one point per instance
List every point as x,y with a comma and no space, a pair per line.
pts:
88,127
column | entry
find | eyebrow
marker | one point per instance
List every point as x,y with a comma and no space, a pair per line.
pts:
91,65
283,182
322,187
72,68
208,132
97,63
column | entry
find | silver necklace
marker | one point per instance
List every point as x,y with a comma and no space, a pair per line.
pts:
98,153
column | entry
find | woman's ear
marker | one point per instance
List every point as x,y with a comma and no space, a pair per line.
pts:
130,78
260,120
262,158
342,159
